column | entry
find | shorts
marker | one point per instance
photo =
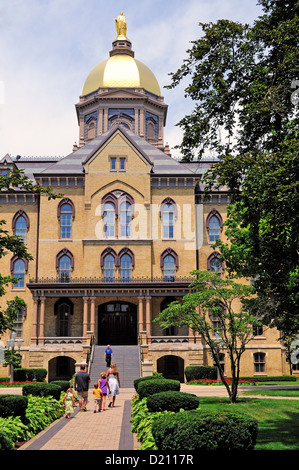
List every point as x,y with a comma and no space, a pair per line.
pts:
82,395
97,401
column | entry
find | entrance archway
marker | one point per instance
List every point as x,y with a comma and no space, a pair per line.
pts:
172,367
117,323
61,368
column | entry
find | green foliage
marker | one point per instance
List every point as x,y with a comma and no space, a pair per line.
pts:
42,389
172,401
63,384
13,405
5,442
198,430
200,372
230,304
41,411
14,429
149,387
141,423
30,374
148,377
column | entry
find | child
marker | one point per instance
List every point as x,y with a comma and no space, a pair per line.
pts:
103,386
98,394
69,402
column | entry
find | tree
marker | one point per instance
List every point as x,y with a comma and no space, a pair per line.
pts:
242,80
216,308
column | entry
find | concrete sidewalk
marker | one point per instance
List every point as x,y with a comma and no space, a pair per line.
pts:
107,430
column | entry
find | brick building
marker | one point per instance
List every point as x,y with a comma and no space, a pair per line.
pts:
121,242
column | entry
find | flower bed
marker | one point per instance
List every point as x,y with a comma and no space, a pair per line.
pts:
214,382
18,383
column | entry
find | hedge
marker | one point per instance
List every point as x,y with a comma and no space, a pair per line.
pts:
172,401
149,387
23,374
5,442
200,372
209,430
147,377
13,405
63,384
42,389
278,378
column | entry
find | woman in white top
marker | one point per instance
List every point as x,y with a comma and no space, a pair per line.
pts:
113,383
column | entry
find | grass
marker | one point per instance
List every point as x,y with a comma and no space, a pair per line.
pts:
273,393
278,420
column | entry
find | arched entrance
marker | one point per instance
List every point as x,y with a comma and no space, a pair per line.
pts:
172,367
117,323
61,368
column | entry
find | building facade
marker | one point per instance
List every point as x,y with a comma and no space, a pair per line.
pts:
120,244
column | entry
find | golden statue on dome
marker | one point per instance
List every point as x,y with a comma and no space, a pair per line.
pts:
121,27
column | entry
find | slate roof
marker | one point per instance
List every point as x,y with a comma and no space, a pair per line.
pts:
72,164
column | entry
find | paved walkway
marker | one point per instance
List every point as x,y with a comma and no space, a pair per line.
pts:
108,430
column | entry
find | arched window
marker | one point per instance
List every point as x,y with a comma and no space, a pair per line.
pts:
214,264
64,268
66,221
125,219
168,213
214,229
169,268
169,262
66,214
214,225
109,219
20,224
168,221
19,268
125,268
109,267
151,131
91,130
21,228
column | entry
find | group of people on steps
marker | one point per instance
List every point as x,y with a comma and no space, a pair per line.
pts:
107,385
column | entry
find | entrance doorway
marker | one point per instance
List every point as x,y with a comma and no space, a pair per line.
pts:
117,323
172,367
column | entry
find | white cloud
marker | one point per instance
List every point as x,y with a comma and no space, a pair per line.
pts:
47,49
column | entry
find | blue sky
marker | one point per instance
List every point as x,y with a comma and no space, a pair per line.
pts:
48,47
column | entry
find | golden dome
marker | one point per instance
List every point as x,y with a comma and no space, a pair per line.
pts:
121,70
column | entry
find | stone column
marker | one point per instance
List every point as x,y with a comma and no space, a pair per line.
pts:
140,315
148,318
85,319
41,337
34,322
92,315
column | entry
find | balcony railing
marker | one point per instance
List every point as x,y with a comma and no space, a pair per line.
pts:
102,280
63,340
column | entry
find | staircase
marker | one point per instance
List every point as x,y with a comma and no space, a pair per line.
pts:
126,359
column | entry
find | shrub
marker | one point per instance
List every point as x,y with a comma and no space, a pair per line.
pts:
198,430
200,372
13,405
4,379
5,442
63,384
147,377
23,374
42,389
172,401
149,387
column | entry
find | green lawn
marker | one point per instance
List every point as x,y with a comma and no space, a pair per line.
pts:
278,420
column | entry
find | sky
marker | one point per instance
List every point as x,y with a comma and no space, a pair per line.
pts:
48,47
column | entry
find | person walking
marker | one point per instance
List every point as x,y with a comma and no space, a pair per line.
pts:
108,355
81,385
103,386
97,394
69,402
113,383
